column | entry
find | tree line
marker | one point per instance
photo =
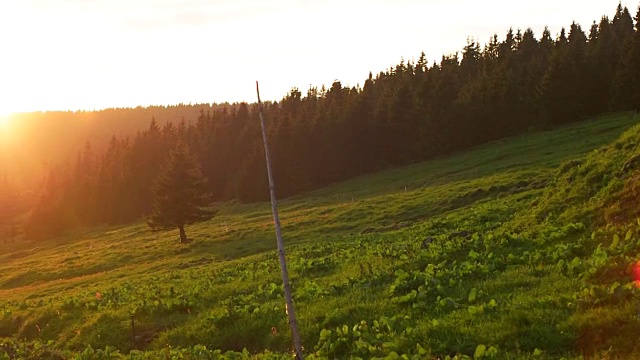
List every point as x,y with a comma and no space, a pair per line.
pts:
32,143
408,113
12,203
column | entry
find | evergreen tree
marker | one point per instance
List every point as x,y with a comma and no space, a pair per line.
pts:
626,85
53,213
180,195
623,24
7,206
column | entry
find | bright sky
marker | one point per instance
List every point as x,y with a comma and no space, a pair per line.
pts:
93,54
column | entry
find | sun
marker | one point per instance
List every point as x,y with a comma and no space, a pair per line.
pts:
5,122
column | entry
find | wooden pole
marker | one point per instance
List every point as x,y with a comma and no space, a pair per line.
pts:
290,309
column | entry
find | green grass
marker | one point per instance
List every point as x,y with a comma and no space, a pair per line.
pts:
523,265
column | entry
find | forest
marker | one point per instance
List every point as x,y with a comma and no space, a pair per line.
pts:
411,112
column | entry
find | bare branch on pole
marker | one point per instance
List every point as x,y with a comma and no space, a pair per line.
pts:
293,323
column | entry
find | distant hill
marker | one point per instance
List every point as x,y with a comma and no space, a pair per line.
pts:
40,140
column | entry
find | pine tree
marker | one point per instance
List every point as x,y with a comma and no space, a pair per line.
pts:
7,206
179,194
626,84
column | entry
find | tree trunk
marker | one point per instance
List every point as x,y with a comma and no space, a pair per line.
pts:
183,235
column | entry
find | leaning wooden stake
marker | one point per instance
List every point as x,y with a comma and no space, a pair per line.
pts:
276,220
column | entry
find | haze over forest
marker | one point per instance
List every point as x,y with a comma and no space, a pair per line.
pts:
98,167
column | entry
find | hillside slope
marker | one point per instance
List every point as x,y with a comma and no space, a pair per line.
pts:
531,251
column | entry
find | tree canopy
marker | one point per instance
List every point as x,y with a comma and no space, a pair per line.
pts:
179,194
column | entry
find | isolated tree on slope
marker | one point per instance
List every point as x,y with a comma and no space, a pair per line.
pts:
179,194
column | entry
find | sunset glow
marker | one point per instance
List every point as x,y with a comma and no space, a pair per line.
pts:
4,121
449,178
7,133
4,132
70,54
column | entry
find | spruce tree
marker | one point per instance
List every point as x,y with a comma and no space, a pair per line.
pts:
179,194
626,84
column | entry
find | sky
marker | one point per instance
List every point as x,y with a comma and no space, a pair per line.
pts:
95,54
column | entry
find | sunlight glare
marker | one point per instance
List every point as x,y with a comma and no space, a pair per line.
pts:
5,125
4,120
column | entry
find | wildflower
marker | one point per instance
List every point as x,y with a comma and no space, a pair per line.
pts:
636,273
98,296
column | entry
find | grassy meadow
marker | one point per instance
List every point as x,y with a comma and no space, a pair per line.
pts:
531,248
